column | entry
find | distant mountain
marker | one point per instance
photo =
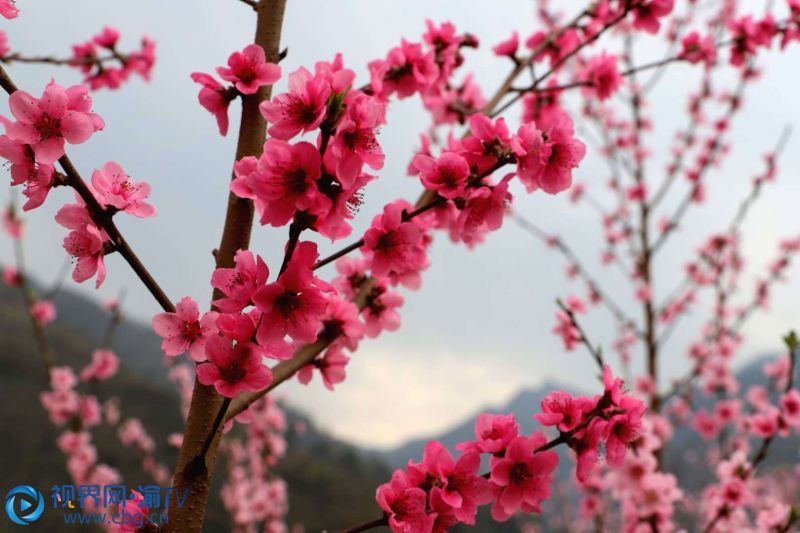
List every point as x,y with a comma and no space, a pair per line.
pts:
523,405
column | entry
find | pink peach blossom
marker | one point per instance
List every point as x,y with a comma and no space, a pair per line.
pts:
447,175
48,122
8,9
238,284
249,69
294,304
232,369
300,110
104,365
523,477
185,329
214,98
43,311
115,189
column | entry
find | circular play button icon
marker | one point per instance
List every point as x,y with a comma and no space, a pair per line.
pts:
24,505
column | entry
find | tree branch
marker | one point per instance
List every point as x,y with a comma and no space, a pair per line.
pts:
206,403
101,217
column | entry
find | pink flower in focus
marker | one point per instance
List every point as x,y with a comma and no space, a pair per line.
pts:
286,180
43,311
37,177
462,488
239,283
560,409
483,211
393,246
612,386
214,98
493,433
46,123
302,109
623,429
185,330
115,189
405,504
523,477
355,143
331,366
341,326
489,141
232,368
406,70
87,245
447,175
380,312
545,159
293,305
249,70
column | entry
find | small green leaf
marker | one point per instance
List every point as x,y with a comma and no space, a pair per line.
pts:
791,340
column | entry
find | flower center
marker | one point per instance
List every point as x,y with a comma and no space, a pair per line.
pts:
191,331
232,374
287,303
48,127
520,474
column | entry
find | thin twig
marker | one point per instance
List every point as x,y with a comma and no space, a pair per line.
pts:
596,352
101,217
565,250
251,3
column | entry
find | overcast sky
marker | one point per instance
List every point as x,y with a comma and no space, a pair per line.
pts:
480,327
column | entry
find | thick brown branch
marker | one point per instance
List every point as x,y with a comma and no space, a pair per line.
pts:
206,403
